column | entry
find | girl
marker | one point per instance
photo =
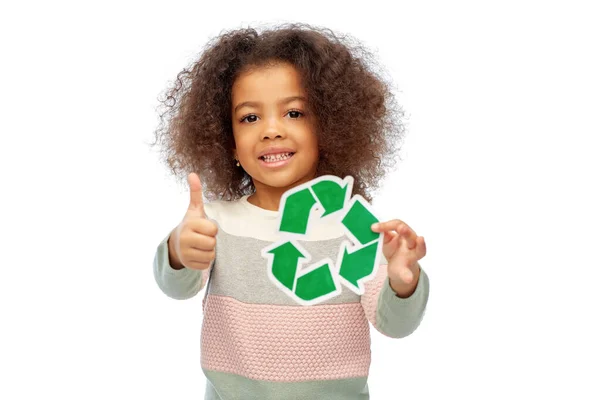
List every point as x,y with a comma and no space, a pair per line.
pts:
257,115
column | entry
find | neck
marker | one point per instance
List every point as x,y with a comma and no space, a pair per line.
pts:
267,199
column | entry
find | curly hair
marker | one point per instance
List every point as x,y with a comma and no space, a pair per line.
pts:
358,122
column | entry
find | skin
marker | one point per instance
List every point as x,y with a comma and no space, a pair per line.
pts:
271,121
403,249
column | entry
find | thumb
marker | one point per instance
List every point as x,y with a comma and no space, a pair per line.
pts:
196,202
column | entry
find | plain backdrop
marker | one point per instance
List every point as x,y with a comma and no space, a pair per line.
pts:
500,175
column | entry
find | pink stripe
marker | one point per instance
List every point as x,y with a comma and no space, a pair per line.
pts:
205,276
285,343
370,298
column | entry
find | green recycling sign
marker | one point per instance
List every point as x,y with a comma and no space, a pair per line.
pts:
325,199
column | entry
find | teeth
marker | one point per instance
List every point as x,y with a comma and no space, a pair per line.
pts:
277,157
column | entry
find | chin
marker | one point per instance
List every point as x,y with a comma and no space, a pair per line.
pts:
280,183
278,180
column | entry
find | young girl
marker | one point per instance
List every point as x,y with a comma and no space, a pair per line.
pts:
257,115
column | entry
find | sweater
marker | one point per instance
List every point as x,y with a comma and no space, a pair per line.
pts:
256,341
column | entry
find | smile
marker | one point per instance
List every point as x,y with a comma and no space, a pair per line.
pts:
278,160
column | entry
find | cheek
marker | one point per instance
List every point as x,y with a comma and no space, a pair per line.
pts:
244,148
314,145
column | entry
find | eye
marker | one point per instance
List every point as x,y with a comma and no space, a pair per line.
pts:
247,117
295,114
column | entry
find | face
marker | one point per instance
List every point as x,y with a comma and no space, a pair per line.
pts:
269,109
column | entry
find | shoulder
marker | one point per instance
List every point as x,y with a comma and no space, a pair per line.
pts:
214,209
221,211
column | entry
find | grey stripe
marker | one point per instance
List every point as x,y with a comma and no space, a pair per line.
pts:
241,272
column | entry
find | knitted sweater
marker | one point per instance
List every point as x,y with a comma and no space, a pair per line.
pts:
256,342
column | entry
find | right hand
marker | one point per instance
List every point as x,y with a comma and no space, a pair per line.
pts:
194,239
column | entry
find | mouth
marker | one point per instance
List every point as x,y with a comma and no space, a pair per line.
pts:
276,160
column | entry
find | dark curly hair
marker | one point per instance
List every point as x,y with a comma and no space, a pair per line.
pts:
358,122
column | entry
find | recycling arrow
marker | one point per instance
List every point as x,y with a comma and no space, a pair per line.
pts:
357,259
358,221
357,265
285,263
331,195
298,202
297,211
307,285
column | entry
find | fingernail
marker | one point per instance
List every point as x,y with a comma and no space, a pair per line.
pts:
374,226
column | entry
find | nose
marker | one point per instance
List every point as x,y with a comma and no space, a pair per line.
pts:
272,129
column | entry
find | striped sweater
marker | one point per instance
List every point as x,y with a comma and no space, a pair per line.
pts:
256,342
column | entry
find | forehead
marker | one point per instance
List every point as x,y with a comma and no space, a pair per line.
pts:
267,84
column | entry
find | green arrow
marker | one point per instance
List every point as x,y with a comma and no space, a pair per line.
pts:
330,195
285,263
296,212
359,264
316,283
358,220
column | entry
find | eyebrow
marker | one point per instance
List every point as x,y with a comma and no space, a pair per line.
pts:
256,104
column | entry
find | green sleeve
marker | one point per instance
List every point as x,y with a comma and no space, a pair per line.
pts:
399,317
179,284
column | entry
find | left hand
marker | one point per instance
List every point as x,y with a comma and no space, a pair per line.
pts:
402,248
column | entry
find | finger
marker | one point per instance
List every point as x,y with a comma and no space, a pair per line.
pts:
198,241
421,247
197,265
400,227
395,242
387,226
196,201
419,250
200,256
389,236
408,234
203,226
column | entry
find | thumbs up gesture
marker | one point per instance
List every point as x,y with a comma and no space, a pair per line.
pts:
192,243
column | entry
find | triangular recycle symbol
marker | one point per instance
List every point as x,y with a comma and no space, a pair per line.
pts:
327,196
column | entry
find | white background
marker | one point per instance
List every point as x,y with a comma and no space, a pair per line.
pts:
500,175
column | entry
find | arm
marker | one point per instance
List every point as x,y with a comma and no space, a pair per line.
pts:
177,281
391,315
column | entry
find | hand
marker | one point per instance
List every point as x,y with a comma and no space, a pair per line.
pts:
193,241
402,248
